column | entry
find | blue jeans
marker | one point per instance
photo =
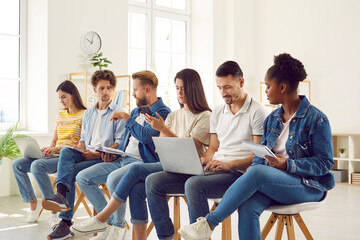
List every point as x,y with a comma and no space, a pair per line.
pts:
89,178
259,188
132,185
70,164
196,188
40,168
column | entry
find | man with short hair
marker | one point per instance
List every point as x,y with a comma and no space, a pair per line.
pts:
96,130
138,146
240,118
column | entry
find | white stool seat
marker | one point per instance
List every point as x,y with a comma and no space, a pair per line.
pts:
294,208
216,200
176,195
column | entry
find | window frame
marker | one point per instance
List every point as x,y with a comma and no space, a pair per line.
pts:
22,68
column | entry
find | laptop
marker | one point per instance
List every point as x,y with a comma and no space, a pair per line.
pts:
179,155
30,148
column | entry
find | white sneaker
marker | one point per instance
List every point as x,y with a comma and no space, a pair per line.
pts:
91,225
34,215
117,233
103,235
53,220
197,231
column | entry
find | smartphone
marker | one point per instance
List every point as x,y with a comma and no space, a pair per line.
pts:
145,110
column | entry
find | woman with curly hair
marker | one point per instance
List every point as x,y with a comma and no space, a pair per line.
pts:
299,134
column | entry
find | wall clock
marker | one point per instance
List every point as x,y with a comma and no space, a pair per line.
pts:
90,42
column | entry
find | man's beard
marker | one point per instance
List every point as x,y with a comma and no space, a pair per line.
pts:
141,102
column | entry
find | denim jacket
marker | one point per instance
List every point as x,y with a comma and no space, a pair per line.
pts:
144,133
309,145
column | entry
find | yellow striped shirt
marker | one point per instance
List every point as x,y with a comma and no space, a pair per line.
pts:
68,127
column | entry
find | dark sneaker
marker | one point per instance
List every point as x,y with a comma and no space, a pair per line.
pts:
57,203
61,231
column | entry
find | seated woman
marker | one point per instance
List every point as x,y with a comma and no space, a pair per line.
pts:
191,120
67,132
300,136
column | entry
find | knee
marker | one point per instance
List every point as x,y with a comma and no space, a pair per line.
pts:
260,172
82,178
193,186
20,165
152,183
37,167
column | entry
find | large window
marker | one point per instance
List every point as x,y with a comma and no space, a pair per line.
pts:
11,61
159,41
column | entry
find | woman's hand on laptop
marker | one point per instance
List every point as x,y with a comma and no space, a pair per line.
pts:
48,151
216,165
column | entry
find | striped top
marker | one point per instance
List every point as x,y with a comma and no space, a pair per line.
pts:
68,127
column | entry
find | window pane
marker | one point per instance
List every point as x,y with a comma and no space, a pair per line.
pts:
163,34
179,4
137,60
178,36
9,60
163,68
178,63
137,30
9,101
164,3
9,16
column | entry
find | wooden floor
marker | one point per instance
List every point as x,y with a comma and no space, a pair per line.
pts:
338,219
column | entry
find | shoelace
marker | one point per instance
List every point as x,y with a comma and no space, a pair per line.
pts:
200,223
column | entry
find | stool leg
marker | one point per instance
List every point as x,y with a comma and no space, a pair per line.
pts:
269,224
280,227
290,227
176,218
303,227
226,229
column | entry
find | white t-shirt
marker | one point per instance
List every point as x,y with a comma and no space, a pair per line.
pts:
280,144
232,129
187,124
96,134
133,147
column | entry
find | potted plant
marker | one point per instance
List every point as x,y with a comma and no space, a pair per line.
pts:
342,152
8,152
98,61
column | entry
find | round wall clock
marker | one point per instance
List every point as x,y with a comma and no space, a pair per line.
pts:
90,42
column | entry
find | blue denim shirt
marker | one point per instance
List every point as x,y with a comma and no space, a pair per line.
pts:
111,132
309,145
144,133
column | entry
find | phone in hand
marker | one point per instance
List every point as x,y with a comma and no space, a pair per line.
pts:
145,110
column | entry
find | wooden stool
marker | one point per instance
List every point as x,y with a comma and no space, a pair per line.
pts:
176,219
285,215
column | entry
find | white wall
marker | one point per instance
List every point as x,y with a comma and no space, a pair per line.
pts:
55,29
324,35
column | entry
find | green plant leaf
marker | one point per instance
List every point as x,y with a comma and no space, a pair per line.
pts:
107,61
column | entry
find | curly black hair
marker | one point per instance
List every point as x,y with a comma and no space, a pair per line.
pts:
288,70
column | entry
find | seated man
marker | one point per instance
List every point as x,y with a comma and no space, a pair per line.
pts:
240,118
96,130
138,146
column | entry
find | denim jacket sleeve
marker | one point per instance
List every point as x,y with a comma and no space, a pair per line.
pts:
258,160
144,133
320,160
